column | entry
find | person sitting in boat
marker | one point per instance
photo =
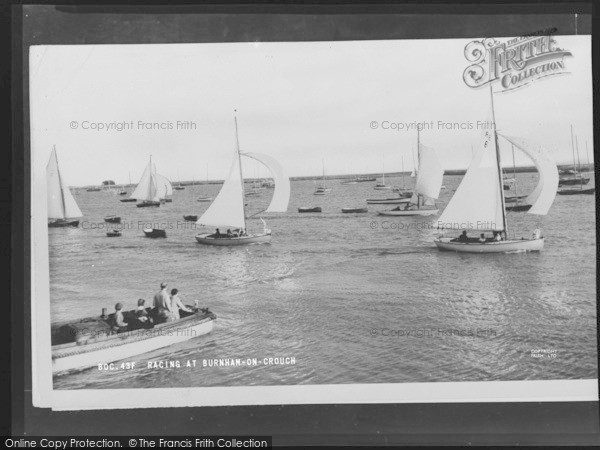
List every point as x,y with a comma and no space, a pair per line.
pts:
229,233
177,304
217,233
537,233
162,304
497,236
463,237
142,319
120,324
482,238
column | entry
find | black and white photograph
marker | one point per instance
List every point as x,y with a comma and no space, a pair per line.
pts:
302,222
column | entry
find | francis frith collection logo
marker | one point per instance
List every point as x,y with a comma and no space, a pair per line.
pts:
515,62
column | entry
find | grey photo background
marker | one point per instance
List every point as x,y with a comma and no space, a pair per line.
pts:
48,25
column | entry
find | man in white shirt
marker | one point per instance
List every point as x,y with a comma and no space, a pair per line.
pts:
162,304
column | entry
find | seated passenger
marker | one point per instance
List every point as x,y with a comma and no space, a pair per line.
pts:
217,234
497,236
229,233
120,324
142,319
482,238
463,237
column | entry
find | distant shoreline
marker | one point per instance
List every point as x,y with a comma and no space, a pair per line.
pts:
584,168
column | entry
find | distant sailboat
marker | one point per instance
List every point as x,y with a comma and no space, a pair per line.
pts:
205,198
427,187
402,191
62,207
179,187
229,210
149,189
578,178
382,186
322,189
413,174
478,203
165,188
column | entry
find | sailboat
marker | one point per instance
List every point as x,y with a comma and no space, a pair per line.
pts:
516,199
578,177
125,200
427,188
413,174
402,191
478,203
382,186
322,189
205,198
229,209
179,187
149,189
62,207
165,188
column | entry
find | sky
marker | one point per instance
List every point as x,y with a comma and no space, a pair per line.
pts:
310,105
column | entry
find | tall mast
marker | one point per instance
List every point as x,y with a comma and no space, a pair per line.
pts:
578,164
237,142
402,158
514,169
416,170
62,194
499,162
572,147
587,156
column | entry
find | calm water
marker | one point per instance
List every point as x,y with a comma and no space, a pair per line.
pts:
352,298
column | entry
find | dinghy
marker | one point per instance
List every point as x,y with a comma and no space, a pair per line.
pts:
127,200
62,207
155,232
478,204
354,210
229,210
92,341
427,188
309,209
190,218
204,199
382,186
113,233
112,219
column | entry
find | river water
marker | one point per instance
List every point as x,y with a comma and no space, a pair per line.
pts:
339,298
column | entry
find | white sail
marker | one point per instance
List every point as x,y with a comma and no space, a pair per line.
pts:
228,207
477,203
430,174
147,186
542,196
281,194
61,204
163,186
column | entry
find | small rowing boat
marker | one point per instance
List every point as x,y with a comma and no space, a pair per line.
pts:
155,232
112,219
309,209
354,210
113,233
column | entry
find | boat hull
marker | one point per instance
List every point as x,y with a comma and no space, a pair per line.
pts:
573,181
354,210
414,212
148,204
310,210
112,219
387,201
509,246
61,223
114,233
155,233
519,208
129,344
128,200
204,199
208,239
191,218
590,191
